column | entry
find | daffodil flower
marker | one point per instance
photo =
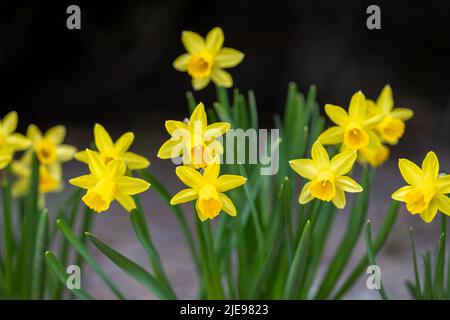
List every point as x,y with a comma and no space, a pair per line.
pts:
392,126
195,141
206,58
10,142
107,182
426,191
375,156
208,190
48,147
354,129
328,178
109,150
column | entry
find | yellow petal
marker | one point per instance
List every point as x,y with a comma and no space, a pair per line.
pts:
333,135
339,199
402,113
9,123
189,176
172,126
373,121
304,167
102,138
443,204
401,193
131,186
96,165
319,154
125,201
18,141
357,108
443,184
200,83
135,161
5,160
65,152
222,78
305,195
184,196
385,99
214,40
227,205
198,116
56,134
227,182
337,114
33,133
430,166
116,167
228,58
170,149
215,130
343,162
181,62
410,172
347,184
123,143
192,41
212,172
82,156
86,182
430,212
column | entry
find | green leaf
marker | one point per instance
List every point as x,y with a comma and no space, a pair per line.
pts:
371,257
439,269
285,199
38,261
8,238
418,289
191,102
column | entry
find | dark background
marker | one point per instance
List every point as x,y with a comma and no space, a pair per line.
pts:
119,65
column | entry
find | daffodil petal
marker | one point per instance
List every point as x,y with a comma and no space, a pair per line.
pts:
116,167
181,62
372,121
385,99
343,162
401,193
18,141
347,184
192,41
5,160
126,201
305,195
430,212
339,198
170,149
102,138
319,153
410,172
172,126
81,156
336,114
305,168
212,172
200,83
9,123
56,134
215,130
214,40
65,152
34,133
402,113
443,184
86,182
123,143
228,58
443,204
333,135
227,182
227,205
357,108
222,78
135,161
184,196
131,186
96,165
430,166
198,116
189,176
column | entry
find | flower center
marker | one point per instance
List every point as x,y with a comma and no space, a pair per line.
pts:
47,182
418,199
209,203
106,158
99,198
46,151
200,64
355,137
323,186
391,129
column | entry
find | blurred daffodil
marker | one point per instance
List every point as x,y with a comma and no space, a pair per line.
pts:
374,156
206,58
353,129
195,141
109,150
107,182
208,190
10,141
328,177
392,126
426,192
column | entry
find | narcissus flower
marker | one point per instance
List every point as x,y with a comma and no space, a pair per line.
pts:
195,141
10,142
354,129
426,191
48,147
109,150
107,182
392,126
328,178
375,156
208,190
206,58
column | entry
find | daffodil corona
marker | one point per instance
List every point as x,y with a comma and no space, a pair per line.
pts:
107,182
208,190
327,177
426,192
206,58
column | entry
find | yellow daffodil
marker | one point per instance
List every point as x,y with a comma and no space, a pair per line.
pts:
48,147
206,58
375,156
107,182
10,141
426,191
354,129
208,190
328,178
109,150
195,141
392,126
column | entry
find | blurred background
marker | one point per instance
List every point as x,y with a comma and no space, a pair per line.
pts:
117,70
